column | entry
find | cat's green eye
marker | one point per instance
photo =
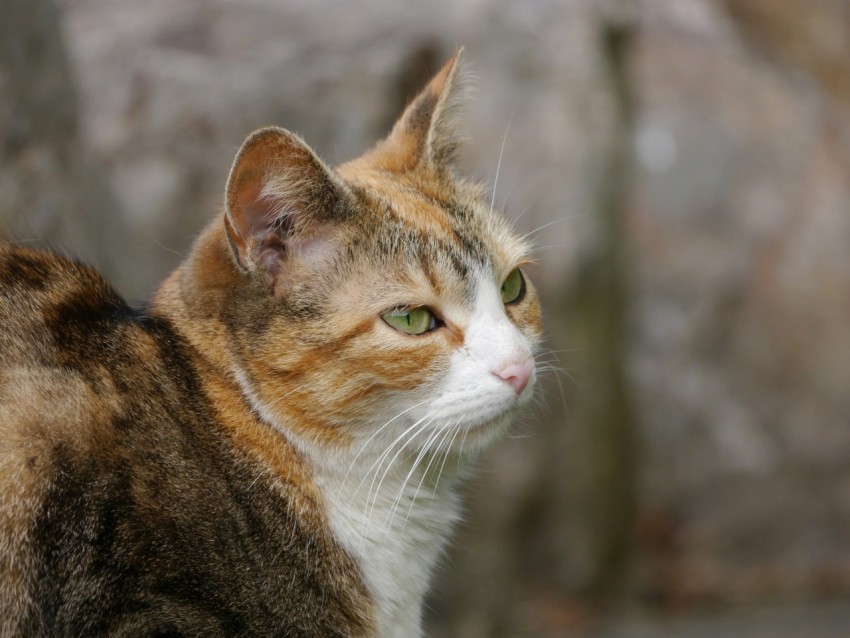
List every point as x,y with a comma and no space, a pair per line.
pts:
412,321
513,289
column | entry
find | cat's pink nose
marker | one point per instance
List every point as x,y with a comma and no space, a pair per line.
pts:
517,374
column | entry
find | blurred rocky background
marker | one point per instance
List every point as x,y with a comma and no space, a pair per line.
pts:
684,167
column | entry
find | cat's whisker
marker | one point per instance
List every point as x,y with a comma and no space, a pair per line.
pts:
456,430
374,434
434,454
387,451
425,451
544,352
462,441
521,213
561,387
498,167
557,379
446,457
385,454
556,372
538,402
552,223
159,244
539,249
422,453
547,357
546,366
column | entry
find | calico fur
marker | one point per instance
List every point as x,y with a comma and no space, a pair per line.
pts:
257,452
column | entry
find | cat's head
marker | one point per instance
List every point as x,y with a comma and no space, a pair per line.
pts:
382,300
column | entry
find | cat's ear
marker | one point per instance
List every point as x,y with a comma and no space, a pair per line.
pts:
428,130
280,199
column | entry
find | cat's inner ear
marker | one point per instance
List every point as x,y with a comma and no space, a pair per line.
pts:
281,200
427,133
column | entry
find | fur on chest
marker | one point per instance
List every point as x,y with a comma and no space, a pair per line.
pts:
394,521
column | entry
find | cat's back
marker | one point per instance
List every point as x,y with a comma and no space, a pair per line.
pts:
65,333
42,296
54,313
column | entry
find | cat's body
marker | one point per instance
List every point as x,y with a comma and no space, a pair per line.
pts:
270,448
133,504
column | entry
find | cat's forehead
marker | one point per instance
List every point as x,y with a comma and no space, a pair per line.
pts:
436,224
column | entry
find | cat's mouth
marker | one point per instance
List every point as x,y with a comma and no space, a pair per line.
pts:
487,426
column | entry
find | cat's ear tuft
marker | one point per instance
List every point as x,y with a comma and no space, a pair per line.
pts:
428,132
279,195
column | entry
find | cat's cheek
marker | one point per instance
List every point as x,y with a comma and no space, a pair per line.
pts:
403,362
527,315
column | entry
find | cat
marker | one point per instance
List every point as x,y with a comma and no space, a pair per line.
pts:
271,446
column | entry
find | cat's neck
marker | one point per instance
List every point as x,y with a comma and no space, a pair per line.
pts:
194,295
393,512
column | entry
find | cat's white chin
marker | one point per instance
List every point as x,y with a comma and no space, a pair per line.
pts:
484,433
481,435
